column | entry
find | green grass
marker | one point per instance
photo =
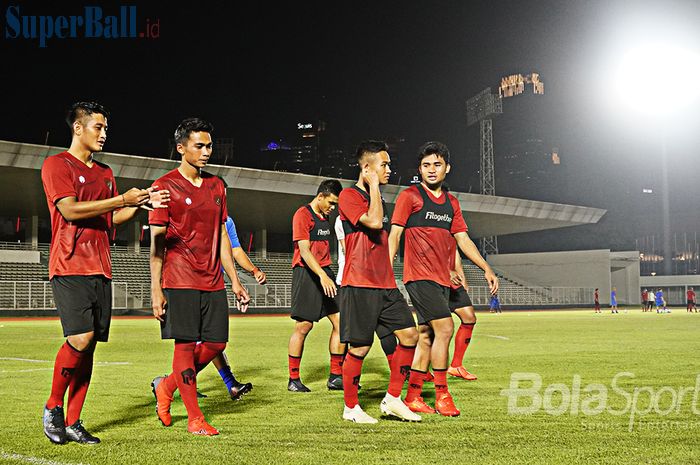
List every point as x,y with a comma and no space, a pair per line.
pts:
272,425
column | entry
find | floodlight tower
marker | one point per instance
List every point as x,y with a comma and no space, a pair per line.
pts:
482,108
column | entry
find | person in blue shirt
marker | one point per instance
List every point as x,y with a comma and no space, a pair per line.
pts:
613,300
235,388
495,304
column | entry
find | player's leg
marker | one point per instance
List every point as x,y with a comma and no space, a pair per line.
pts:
84,306
337,354
235,388
397,317
359,310
295,352
443,329
389,344
419,369
463,338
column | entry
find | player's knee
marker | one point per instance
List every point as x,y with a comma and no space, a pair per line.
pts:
303,327
408,337
217,347
81,342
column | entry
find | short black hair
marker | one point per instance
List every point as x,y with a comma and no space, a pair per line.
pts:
190,125
80,110
434,148
370,146
330,186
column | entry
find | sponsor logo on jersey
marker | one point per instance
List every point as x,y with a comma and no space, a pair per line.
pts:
435,217
323,232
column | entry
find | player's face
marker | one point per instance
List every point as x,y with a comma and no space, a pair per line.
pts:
381,164
327,203
197,149
92,131
433,170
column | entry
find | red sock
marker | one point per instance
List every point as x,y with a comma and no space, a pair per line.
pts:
352,368
440,381
79,387
337,364
400,368
186,377
67,361
294,363
389,358
415,384
462,340
205,353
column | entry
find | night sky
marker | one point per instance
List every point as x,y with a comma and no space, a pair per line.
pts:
379,69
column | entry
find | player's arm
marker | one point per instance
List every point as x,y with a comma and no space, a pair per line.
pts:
156,199
374,218
457,275
394,241
74,210
158,302
468,248
309,260
243,260
242,297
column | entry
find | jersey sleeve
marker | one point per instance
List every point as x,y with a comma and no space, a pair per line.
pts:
352,205
458,223
406,204
232,233
338,226
224,205
302,224
57,179
159,216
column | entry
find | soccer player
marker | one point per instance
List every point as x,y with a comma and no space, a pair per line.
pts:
660,301
645,296
495,304
369,298
461,305
596,301
313,284
434,225
690,294
613,300
189,245
235,388
84,205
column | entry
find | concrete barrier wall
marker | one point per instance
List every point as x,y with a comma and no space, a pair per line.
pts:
19,256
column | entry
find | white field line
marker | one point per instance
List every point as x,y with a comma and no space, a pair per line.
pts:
502,338
34,460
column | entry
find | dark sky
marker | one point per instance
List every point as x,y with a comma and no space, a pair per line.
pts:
374,69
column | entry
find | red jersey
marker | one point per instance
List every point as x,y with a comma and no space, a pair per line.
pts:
193,236
308,226
645,296
78,247
367,261
430,224
691,295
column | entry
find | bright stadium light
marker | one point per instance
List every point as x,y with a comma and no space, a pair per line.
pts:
657,79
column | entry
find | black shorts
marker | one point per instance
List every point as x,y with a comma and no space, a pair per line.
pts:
691,302
364,311
430,299
84,304
193,315
309,303
459,298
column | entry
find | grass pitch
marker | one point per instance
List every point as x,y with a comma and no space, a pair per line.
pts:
565,349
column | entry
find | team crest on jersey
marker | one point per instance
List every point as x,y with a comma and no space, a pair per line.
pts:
109,183
188,201
81,179
217,199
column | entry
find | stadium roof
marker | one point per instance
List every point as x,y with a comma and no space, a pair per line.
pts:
268,199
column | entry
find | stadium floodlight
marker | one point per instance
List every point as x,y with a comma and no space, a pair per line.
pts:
657,79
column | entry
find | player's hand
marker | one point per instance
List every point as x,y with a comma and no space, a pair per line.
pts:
159,304
259,276
242,297
492,279
328,286
370,177
135,197
455,278
156,198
